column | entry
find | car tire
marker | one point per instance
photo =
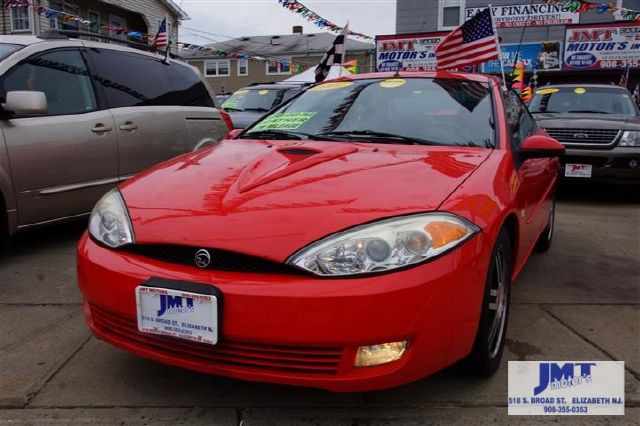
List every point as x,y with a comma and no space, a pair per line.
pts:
487,350
546,238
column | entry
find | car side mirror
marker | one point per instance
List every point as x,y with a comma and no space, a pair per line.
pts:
540,146
26,102
233,133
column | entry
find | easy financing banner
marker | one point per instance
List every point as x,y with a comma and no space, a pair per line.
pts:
528,15
604,46
410,52
536,56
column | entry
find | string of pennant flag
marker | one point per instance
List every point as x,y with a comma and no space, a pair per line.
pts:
297,7
94,26
582,6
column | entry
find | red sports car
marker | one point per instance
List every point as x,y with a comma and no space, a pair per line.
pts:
363,235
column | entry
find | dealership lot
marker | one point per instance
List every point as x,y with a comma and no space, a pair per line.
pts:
580,301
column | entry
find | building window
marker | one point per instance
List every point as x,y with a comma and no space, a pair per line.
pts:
117,22
20,19
216,68
243,67
93,16
450,14
278,66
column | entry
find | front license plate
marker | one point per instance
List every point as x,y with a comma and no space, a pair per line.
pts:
181,314
577,170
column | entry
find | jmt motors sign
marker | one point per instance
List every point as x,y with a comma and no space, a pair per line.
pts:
407,52
604,46
528,15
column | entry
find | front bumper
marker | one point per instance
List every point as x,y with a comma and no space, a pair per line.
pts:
608,165
298,329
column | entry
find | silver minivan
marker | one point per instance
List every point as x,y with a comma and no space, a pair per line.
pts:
77,117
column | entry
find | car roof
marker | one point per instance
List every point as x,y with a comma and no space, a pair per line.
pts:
482,78
28,40
587,85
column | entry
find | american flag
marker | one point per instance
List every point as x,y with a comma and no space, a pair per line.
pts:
162,38
333,56
471,43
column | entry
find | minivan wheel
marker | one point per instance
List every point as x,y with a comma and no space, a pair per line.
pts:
487,350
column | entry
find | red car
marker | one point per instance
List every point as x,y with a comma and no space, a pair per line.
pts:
363,235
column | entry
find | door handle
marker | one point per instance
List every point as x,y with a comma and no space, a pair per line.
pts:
100,128
129,126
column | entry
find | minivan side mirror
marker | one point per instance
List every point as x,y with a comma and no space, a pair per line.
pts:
540,146
233,133
26,102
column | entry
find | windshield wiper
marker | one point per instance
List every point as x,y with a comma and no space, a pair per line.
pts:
283,134
589,110
232,109
380,137
256,109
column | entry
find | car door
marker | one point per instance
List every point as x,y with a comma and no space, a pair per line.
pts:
205,125
137,89
535,177
63,162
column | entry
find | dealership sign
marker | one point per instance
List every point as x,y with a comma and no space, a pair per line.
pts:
528,15
605,46
407,52
536,56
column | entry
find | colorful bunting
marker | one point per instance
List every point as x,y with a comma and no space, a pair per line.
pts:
297,7
582,6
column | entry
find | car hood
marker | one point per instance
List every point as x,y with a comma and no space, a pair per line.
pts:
588,121
243,119
272,198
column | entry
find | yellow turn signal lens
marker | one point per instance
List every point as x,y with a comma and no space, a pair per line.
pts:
443,233
380,354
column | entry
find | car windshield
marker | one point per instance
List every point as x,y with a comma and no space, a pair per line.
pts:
7,49
395,110
599,100
253,100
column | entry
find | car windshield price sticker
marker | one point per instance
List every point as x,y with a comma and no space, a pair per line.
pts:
566,388
180,314
284,121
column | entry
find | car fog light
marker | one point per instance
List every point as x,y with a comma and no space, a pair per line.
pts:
380,354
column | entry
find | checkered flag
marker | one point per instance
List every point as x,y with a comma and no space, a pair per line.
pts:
333,56
636,94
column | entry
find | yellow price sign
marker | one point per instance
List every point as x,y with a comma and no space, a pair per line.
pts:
546,91
580,90
331,86
393,83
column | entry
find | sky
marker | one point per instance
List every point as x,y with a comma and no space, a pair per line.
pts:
224,19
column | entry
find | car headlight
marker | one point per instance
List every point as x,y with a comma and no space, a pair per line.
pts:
630,138
384,245
109,222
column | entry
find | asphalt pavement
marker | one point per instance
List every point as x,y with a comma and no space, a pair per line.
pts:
579,301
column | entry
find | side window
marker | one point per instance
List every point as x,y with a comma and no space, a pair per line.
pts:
63,77
189,90
129,79
290,94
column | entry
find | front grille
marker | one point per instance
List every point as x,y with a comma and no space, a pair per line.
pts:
287,359
221,260
584,137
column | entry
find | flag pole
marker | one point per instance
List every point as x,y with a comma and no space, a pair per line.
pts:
166,54
495,34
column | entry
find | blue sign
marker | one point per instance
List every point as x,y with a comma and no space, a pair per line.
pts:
536,56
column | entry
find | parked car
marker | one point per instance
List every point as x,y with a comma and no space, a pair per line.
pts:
361,236
247,105
77,117
598,124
